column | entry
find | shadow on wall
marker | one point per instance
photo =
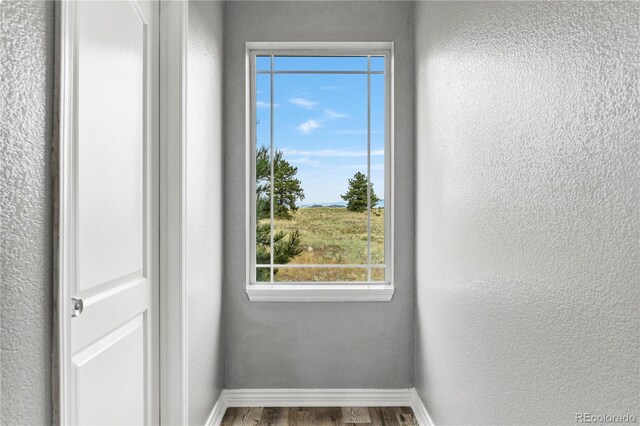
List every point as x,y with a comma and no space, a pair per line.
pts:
527,187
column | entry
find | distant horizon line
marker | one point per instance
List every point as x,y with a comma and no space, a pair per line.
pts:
334,203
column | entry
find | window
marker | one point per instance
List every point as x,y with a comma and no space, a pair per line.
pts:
320,155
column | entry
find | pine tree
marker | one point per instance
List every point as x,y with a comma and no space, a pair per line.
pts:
287,189
356,196
285,245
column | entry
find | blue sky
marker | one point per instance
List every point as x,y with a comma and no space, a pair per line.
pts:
320,123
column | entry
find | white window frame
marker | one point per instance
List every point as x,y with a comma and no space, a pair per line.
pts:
326,291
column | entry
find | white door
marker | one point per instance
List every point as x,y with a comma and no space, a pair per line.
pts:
109,212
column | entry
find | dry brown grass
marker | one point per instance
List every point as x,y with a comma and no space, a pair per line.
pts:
334,236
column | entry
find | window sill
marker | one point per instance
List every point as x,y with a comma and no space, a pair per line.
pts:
320,293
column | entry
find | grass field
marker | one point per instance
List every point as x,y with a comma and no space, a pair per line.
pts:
334,236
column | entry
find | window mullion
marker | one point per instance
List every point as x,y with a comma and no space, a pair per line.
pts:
369,168
271,155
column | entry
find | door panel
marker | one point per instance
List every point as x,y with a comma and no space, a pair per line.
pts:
111,122
116,362
110,232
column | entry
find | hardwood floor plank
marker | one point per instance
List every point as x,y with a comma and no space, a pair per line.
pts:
229,416
405,417
389,416
328,416
249,416
355,415
375,413
302,416
320,416
274,416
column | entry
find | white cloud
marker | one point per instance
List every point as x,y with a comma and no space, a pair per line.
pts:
352,132
374,167
304,160
308,126
332,152
304,103
260,104
334,114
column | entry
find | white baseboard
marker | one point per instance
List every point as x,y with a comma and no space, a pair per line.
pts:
319,398
420,411
215,418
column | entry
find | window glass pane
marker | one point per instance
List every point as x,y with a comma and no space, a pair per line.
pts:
263,63
321,275
377,63
321,178
377,168
377,274
263,174
263,274
321,143
320,63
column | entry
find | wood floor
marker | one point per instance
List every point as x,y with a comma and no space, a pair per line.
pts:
351,416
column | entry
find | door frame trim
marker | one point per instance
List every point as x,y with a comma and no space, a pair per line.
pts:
173,26
173,291
65,30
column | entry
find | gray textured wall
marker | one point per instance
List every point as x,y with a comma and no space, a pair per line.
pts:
528,172
204,207
317,345
26,67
